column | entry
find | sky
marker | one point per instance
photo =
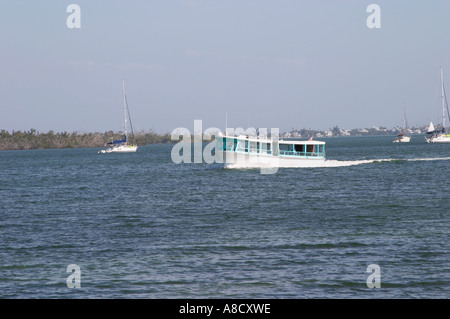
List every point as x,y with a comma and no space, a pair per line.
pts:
286,64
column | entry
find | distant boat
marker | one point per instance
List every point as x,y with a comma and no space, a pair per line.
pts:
439,135
402,137
122,146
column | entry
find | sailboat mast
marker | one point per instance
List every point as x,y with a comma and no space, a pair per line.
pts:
443,101
405,119
124,111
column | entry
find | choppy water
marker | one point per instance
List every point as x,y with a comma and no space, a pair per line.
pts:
140,226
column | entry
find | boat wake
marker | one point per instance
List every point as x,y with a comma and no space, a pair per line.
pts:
338,163
330,163
429,159
304,164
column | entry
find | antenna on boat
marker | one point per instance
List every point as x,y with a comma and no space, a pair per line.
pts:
226,123
248,118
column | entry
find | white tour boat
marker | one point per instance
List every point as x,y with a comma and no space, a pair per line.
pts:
258,152
439,135
122,146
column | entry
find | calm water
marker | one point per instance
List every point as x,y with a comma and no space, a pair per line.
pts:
140,226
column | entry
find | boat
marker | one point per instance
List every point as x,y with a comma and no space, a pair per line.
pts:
246,151
402,137
431,128
122,146
439,135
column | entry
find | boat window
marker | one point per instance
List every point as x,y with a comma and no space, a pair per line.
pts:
242,146
309,148
320,149
253,147
265,148
300,148
239,146
230,144
285,147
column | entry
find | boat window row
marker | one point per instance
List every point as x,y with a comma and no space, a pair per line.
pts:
284,149
246,146
306,150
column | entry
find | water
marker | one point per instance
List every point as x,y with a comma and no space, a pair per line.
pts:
140,226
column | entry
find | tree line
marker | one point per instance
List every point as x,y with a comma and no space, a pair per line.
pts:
32,139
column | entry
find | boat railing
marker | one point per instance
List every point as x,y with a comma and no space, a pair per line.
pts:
301,154
241,149
251,150
265,151
228,148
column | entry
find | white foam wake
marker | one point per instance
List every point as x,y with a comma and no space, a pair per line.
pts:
328,163
429,159
337,163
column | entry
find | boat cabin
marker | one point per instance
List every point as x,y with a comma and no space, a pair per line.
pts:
284,148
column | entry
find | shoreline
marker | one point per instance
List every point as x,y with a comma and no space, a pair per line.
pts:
88,140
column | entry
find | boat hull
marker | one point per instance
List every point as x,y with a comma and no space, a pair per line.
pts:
439,139
404,139
120,149
242,160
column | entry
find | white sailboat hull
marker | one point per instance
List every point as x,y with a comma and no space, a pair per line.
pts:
120,149
404,139
439,139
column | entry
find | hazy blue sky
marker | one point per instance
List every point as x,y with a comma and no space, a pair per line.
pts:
283,64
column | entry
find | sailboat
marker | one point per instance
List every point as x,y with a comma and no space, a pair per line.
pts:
122,146
439,135
430,128
402,137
